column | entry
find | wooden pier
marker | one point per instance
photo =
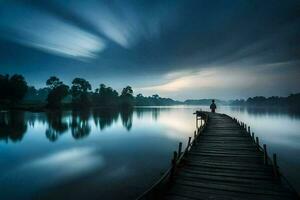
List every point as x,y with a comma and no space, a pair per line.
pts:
224,160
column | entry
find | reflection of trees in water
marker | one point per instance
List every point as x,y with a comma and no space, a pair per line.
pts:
155,112
126,117
139,112
80,127
105,117
267,110
12,126
56,125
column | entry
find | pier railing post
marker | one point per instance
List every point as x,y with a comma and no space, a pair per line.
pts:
195,136
265,154
249,131
179,149
189,143
201,122
253,137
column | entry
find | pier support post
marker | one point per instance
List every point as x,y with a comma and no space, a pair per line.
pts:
257,142
265,154
275,166
174,160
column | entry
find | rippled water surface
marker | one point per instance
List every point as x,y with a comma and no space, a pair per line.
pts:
112,154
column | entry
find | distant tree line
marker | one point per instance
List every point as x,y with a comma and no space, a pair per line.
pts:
15,92
293,100
204,102
154,100
57,95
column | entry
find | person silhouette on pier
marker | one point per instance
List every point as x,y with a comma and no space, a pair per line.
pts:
213,106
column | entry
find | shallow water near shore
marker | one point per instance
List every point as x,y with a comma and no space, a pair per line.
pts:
111,154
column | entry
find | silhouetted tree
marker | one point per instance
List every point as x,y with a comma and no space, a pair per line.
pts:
79,90
105,96
53,82
127,97
12,89
34,94
58,91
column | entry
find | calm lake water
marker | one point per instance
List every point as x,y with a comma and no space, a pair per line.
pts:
107,154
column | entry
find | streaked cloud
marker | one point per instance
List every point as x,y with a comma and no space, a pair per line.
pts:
124,22
48,33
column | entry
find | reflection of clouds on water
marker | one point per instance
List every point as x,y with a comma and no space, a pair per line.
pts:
59,166
118,172
62,164
68,161
175,124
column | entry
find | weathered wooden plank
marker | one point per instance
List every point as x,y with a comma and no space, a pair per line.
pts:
226,159
232,150
224,166
231,187
227,173
204,193
223,155
230,153
244,179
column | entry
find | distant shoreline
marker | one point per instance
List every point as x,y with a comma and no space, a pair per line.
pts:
42,108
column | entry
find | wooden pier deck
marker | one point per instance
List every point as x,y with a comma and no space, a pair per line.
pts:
224,161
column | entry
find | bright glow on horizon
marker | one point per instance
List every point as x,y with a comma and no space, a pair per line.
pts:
214,80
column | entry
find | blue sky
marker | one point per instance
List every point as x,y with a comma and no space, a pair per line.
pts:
179,49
